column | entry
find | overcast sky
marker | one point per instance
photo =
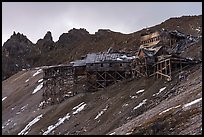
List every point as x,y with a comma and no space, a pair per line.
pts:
34,19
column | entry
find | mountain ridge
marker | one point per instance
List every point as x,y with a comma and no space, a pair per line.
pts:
78,42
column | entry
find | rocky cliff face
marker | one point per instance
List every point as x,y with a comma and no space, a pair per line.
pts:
46,44
15,52
73,36
17,45
78,42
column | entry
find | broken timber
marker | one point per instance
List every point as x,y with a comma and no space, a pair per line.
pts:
164,68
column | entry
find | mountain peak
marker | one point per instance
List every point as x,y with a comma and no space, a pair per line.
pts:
18,36
48,36
78,31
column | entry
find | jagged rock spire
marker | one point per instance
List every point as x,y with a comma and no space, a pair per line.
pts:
48,36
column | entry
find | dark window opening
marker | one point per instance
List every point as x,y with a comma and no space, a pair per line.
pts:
101,64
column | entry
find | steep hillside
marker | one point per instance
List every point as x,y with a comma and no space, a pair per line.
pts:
137,106
78,42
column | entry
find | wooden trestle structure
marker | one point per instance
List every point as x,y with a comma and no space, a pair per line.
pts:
107,74
65,81
167,67
59,83
101,79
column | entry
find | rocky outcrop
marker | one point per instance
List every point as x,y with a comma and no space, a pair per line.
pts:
73,36
46,44
14,53
17,45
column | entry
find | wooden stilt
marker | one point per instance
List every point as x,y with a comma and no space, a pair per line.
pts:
157,70
170,68
160,69
165,67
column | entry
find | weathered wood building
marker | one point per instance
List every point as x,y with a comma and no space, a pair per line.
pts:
59,83
105,69
95,71
157,56
162,37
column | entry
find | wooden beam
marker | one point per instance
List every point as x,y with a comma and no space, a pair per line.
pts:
157,70
100,84
165,67
120,75
111,76
170,68
139,73
163,74
161,69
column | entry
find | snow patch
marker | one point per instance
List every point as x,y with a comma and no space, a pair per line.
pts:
197,30
41,104
126,57
4,98
125,105
192,102
27,80
140,91
14,124
133,97
140,104
18,112
79,109
27,127
37,88
161,90
119,59
78,106
60,121
7,123
128,133
24,107
40,80
168,109
13,108
38,72
123,57
99,114
113,133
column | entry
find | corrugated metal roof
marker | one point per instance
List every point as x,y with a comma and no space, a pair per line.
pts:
151,51
102,57
77,63
98,57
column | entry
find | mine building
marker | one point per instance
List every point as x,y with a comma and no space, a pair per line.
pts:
105,69
159,53
93,72
157,56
